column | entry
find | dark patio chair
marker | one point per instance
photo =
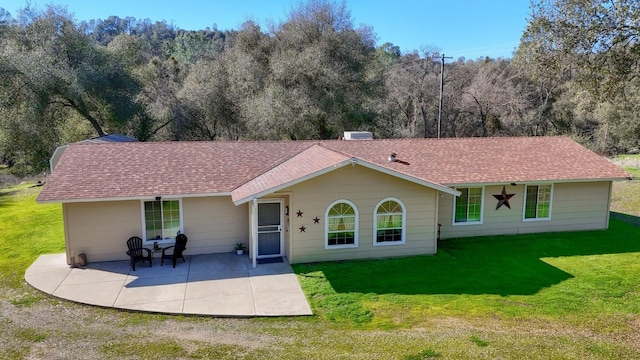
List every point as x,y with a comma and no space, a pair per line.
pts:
137,252
178,249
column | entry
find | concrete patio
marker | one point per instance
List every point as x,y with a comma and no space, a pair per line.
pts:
211,284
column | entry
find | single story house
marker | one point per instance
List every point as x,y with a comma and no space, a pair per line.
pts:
325,200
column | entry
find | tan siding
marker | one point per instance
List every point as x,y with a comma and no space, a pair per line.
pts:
365,188
101,229
214,224
575,206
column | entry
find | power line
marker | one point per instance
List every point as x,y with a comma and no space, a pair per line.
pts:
493,50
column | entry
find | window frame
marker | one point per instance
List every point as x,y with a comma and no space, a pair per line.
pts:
403,228
356,224
455,204
524,203
165,237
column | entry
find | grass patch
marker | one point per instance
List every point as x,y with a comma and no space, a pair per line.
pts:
578,274
630,163
625,198
221,351
479,342
145,350
28,230
25,301
30,335
634,171
16,354
170,349
424,354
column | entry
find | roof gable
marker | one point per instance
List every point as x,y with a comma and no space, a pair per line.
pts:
312,162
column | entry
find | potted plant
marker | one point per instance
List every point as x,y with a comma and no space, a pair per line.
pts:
239,248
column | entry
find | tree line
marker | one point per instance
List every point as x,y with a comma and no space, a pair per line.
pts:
312,76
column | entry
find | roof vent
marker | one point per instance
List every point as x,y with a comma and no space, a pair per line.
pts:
392,157
358,135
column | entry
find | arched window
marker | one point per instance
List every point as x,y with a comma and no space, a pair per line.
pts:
389,222
341,225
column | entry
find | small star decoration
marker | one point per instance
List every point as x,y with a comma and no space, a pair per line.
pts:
503,199
299,213
302,229
316,220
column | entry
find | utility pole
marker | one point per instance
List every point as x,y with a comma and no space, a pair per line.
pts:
441,87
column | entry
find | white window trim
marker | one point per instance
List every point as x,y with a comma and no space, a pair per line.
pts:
144,222
524,203
468,223
355,230
375,224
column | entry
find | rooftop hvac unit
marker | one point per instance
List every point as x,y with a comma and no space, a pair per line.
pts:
358,135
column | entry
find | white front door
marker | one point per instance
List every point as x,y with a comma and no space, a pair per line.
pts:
270,235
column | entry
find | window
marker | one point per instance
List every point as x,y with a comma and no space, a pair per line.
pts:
537,202
389,222
468,206
341,225
161,219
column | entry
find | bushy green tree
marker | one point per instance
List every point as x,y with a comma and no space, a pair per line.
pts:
56,65
319,83
589,47
51,70
162,117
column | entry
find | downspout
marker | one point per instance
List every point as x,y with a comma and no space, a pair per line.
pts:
67,237
608,213
437,222
254,232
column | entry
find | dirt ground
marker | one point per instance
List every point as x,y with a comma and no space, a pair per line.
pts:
627,162
37,326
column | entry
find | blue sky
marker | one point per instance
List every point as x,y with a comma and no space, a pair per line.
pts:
465,28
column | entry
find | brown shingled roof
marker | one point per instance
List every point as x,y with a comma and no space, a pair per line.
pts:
135,170
454,161
313,160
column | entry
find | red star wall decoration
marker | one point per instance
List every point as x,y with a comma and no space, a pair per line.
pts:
316,220
503,198
302,229
299,213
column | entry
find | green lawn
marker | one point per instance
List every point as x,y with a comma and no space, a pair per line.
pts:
552,296
575,275
26,231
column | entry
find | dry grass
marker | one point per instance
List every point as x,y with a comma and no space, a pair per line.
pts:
54,330
625,198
